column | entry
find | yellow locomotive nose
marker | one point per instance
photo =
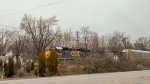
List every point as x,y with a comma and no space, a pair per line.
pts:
47,54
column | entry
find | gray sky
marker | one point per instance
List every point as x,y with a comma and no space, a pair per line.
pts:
103,16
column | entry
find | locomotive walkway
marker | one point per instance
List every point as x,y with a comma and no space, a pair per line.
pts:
133,77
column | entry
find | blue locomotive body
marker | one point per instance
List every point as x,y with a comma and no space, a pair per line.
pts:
70,53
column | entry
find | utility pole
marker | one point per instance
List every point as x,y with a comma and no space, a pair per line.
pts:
77,39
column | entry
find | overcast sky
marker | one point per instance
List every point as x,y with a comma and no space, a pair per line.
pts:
102,16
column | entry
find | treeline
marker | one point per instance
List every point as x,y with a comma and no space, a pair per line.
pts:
36,35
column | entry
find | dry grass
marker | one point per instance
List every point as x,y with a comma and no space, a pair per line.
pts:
90,65
71,68
102,65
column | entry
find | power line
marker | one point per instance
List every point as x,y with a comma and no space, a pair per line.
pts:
30,9
7,26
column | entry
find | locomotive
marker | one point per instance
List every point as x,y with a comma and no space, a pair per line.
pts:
68,53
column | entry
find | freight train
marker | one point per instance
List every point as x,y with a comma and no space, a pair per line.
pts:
69,53
135,54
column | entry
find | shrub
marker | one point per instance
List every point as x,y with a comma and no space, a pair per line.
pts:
28,67
18,64
36,71
1,62
10,68
5,67
1,65
42,64
105,64
52,63
32,65
20,73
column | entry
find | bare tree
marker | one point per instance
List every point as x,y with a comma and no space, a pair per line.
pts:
57,42
114,42
5,40
78,39
127,43
142,43
94,41
68,38
94,44
29,51
102,44
85,34
39,30
18,45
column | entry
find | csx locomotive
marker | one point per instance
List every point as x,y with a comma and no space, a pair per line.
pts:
68,53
